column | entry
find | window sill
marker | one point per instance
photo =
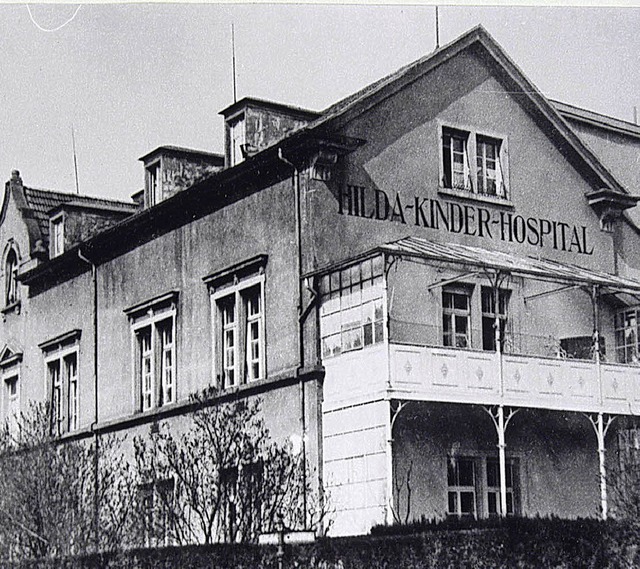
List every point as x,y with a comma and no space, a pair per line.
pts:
13,307
468,195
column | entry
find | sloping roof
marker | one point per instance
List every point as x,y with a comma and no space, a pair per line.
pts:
476,257
578,114
345,110
41,202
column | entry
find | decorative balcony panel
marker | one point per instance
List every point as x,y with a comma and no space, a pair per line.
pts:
621,388
466,376
441,374
548,383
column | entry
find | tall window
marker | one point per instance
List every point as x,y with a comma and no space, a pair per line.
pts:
11,395
352,310
236,140
11,278
241,333
239,323
489,171
156,501
627,343
456,317
460,150
154,183
493,487
155,363
456,172
461,482
10,374
61,361
153,327
489,316
57,236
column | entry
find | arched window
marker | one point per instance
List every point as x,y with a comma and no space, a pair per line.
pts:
10,278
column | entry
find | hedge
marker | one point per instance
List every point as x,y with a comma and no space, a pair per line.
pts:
496,544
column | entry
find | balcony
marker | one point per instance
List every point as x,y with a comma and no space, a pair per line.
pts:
531,372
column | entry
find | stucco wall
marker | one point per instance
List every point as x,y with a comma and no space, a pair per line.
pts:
402,158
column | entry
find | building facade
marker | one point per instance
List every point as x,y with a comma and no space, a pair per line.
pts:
433,284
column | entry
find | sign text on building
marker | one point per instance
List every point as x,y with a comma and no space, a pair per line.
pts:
468,219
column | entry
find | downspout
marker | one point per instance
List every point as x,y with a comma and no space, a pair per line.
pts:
96,454
301,359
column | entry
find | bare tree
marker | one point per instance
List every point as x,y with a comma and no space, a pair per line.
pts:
47,491
222,479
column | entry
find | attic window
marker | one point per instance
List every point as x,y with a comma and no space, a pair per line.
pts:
455,159
154,184
57,236
236,140
473,164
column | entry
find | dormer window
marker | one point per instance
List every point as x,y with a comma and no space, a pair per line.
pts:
237,140
154,183
57,236
10,278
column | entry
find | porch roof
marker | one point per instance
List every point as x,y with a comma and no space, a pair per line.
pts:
485,259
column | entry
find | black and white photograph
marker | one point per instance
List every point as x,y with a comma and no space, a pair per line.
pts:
324,286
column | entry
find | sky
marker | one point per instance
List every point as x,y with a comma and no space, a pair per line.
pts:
132,77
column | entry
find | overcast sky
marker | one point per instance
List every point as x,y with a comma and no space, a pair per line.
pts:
134,77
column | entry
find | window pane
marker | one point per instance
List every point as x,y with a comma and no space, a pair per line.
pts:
461,301
466,473
493,476
492,499
467,503
453,503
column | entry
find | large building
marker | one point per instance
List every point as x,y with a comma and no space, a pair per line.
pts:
434,284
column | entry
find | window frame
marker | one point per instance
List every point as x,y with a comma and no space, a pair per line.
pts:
339,298
237,124
627,352
56,248
153,315
453,313
157,522
474,137
153,182
503,294
11,287
235,295
64,413
458,489
481,488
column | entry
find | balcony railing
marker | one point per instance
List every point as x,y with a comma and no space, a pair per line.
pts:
516,343
542,379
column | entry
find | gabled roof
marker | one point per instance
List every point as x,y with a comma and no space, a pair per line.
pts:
41,202
349,108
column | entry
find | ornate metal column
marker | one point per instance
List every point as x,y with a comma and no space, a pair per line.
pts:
501,423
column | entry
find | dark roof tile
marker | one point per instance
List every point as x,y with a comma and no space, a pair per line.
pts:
41,202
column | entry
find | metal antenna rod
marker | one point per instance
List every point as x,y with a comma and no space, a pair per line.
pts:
437,29
75,158
233,55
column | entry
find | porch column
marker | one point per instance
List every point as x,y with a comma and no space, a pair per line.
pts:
501,423
600,426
